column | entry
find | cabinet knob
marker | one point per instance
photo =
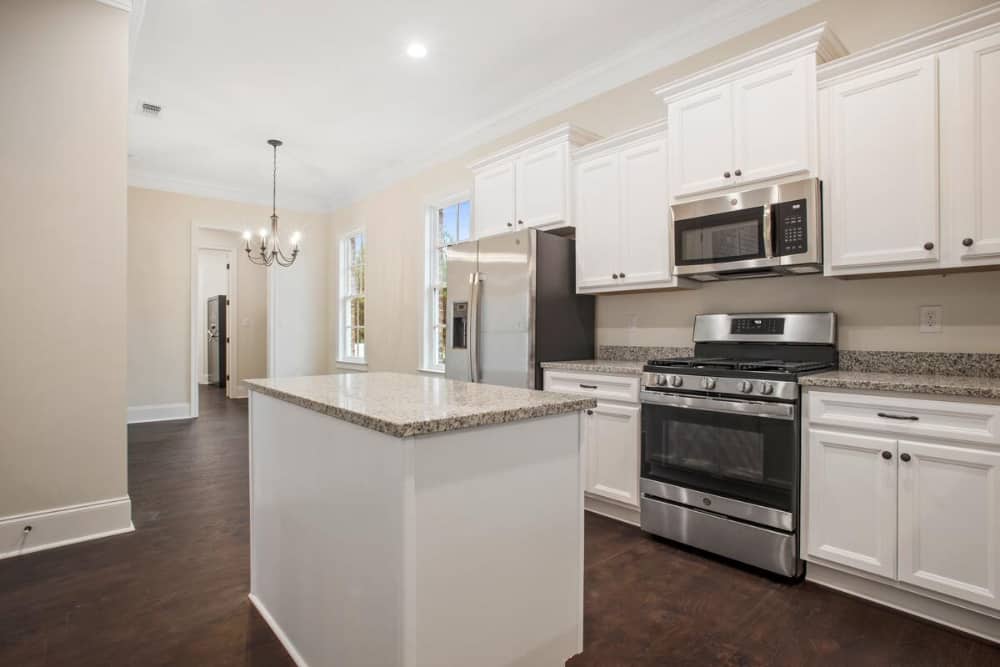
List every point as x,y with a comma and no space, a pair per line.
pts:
614,276
590,412
726,174
621,275
904,457
887,455
520,222
510,224
929,245
967,242
739,172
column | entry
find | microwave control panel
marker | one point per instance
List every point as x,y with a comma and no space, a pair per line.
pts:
790,227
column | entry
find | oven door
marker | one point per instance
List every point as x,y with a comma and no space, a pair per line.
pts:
730,241
738,450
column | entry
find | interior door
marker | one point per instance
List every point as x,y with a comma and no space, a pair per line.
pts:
773,119
462,264
506,344
597,216
852,500
612,440
883,185
644,227
493,202
949,520
970,107
212,340
541,186
701,141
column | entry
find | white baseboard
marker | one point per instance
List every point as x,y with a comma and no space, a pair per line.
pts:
138,414
278,632
951,615
64,525
611,509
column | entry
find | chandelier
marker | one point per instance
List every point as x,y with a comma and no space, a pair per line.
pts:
269,251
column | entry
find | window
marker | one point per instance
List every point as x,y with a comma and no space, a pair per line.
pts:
448,223
352,298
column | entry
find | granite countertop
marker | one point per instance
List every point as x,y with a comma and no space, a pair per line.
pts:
607,366
945,385
405,405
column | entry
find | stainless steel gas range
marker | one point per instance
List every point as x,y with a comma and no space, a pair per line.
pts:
721,435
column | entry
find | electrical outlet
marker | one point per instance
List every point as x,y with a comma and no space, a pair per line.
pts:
930,319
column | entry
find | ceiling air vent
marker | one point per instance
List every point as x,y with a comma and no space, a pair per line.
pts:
150,109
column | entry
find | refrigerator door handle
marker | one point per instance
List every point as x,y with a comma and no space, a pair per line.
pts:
476,280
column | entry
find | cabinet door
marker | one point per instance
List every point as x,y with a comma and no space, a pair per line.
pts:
970,145
596,214
645,241
883,178
613,452
493,202
852,500
701,141
774,119
949,521
541,186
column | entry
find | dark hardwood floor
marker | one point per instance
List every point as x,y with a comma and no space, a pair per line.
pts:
174,592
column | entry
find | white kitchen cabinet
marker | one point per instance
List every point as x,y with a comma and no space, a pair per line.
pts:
852,500
493,205
621,212
881,170
970,145
701,141
949,520
611,432
527,184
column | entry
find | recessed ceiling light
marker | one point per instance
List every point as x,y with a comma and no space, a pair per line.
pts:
416,50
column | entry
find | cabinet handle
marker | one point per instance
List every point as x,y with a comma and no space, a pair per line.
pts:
590,412
739,172
725,175
887,455
588,386
887,415
967,242
929,245
904,457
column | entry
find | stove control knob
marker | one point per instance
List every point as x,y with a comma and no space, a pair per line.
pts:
767,389
676,380
746,386
660,380
708,383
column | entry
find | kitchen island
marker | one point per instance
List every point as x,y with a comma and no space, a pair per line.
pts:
409,520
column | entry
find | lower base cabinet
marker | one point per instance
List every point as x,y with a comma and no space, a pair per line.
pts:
919,509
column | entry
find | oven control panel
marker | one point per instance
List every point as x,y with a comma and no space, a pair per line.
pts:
680,383
766,326
790,227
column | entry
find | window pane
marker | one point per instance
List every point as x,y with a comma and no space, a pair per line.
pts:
441,294
442,267
464,220
442,335
357,312
449,225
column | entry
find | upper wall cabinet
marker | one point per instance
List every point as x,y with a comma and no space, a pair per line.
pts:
526,185
750,119
621,213
910,151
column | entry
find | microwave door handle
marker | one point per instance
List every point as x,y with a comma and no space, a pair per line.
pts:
768,233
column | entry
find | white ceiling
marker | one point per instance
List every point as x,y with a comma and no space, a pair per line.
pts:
331,78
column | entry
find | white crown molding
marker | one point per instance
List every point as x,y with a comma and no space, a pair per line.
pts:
64,525
932,39
618,141
140,178
818,40
124,5
564,132
719,22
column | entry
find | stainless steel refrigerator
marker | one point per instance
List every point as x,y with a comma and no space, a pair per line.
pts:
512,304
215,360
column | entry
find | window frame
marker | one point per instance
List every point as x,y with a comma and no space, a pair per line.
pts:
432,245
345,296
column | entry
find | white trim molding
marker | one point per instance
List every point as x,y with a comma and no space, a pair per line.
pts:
139,414
124,5
64,525
278,632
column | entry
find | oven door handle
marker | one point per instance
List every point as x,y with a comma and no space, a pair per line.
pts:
750,408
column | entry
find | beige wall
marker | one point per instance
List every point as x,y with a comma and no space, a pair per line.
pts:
878,314
63,73
159,291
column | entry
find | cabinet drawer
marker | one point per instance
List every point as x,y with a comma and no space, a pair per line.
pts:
607,387
907,417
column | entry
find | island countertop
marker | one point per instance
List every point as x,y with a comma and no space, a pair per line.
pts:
405,405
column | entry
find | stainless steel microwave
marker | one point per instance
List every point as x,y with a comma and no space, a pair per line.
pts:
767,231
